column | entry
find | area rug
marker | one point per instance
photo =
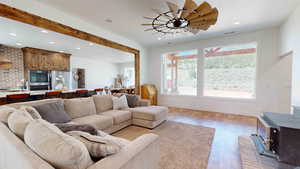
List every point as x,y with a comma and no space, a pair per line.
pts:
182,146
251,159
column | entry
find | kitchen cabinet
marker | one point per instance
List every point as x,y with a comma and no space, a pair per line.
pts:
39,59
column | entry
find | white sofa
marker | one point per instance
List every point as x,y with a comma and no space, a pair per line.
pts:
141,153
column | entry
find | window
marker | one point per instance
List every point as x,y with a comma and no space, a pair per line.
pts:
129,74
230,71
180,73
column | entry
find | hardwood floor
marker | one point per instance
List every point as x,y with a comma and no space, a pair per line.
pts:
224,152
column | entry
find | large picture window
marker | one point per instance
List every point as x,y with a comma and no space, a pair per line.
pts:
179,74
230,71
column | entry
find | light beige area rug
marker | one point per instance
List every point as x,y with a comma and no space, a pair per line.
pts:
182,146
250,158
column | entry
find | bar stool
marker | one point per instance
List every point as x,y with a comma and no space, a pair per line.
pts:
16,98
53,94
99,91
82,93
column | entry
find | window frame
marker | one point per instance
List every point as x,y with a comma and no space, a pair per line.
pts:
231,98
162,73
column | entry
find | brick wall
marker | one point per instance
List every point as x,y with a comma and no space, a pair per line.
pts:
11,78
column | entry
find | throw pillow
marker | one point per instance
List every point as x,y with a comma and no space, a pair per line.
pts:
97,146
5,111
32,111
77,127
18,121
53,112
80,107
120,103
59,149
132,100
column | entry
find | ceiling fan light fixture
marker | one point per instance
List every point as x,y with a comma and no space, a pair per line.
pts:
191,18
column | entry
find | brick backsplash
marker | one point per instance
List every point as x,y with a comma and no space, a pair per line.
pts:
11,78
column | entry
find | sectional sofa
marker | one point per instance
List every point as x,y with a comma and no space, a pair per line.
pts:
142,153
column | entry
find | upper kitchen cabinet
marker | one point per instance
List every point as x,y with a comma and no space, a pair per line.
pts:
39,59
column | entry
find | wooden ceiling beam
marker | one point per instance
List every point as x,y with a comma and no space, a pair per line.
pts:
32,19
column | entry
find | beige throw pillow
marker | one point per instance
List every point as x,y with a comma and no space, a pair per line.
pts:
5,111
18,121
120,103
97,146
59,149
80,107
32,111
103,103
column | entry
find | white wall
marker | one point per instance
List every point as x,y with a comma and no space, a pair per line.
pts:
46,11
98,73
290,41
272,89
122,66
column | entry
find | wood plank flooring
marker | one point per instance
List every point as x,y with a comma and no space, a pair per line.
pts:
224,152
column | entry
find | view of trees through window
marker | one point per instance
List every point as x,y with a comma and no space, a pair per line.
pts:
230,71
180,73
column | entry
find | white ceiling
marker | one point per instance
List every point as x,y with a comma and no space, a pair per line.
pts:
127,16
20,35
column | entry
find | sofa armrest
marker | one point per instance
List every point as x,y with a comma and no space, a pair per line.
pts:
143,103
142,153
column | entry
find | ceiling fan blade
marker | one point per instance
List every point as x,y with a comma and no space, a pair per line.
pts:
211,16
204,22
189,7
202,9
173,8
199,27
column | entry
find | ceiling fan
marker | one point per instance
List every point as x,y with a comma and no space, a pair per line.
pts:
191,18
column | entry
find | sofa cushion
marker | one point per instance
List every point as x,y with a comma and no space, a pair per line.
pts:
103,103
5,112
59,149
120,103
97,146
119,116
80,107
18,122
98,121
151,113
132,100
53,112
32,111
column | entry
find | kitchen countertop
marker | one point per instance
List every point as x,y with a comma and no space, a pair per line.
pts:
3,94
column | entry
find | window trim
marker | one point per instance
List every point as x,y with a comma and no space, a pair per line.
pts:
162,93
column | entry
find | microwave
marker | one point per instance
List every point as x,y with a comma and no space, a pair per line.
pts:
39,79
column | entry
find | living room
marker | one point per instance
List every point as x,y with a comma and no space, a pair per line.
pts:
149,84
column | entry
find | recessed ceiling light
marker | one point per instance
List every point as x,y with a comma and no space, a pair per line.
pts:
78,48
51,42
108,20
44,31
19,44
91,44
12,34
237,23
